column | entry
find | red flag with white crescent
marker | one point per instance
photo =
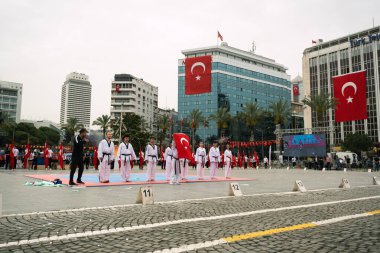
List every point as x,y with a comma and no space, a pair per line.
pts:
198,75
350,93
182,143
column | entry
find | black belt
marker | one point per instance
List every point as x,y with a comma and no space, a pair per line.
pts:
107,154
176,162
155,157
203,160
125,158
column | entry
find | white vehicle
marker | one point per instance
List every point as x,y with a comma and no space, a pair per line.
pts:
353,156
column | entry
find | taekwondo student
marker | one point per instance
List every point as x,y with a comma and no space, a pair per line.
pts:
227,161
200,159
106,156
214,159
151,157
126,154
176,167
77,157
168,160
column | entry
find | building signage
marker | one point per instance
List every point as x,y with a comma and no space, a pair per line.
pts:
365,40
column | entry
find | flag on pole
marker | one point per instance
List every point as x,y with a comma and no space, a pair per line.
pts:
220,36
11,157
182,144
270,154
257,159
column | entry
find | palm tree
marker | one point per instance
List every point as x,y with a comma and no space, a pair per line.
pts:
163,125
251,115
104,122
280,111
320,103
222,118
71,127
196,119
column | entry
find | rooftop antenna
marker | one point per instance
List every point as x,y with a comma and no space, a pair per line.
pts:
253,47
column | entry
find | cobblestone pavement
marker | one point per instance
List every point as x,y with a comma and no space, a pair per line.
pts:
171,225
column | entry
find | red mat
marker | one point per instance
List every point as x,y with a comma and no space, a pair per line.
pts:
65,180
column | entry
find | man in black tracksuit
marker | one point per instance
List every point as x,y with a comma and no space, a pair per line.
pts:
77,157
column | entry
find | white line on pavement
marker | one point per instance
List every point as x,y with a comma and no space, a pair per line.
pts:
175,201
168,223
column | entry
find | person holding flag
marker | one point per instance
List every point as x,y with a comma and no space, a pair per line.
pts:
46,156
60,157
106,156
181,150
126,155
214,159
227,161
163,158
168,160
141,162
151,157
95,160
26,156
200,158
176,167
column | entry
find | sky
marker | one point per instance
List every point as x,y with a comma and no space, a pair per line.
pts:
41,41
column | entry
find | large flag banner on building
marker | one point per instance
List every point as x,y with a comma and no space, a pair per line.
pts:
198,75
182,144
350,93
296,91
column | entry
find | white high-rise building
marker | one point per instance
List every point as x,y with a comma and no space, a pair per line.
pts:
132,94
76,99
10,99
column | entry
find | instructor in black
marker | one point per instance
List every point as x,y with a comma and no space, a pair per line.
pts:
77,156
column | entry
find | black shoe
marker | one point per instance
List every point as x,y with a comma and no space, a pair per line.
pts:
72,183
80,182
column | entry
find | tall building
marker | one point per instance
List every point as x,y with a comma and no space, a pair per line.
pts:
132,94
173,120
237,77
351,53
10,99
298,95
76,99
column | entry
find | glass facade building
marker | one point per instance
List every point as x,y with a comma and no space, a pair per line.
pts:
238,77
355,52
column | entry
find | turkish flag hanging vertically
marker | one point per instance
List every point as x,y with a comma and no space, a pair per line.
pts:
182,144
296,91
350,93
27,155
46,155
60,157
198,75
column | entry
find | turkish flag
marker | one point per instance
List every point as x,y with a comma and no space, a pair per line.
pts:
350,93
60,156
296,91
27,155
46,153
198,75
11,157
182,143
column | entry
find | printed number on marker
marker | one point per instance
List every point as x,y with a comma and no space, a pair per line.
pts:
146,193
236,187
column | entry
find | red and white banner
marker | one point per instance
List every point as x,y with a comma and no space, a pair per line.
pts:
182,144
198,75
350,93
296,91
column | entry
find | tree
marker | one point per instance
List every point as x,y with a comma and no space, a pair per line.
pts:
71,127
251,115
357,142
135,127
320,103
103,122
222,118
196,118
163,126
280,110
